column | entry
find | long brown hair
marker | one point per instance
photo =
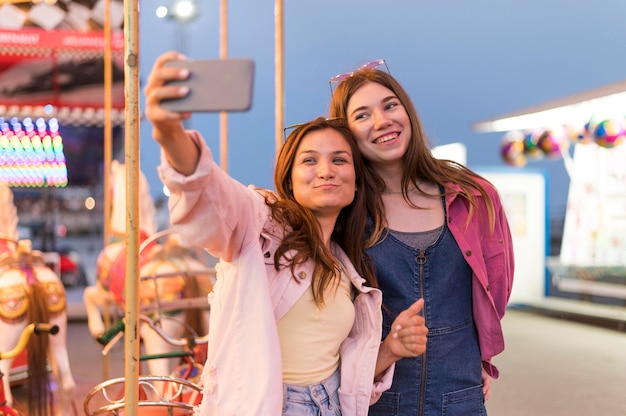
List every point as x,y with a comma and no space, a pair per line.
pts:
303,235
418,161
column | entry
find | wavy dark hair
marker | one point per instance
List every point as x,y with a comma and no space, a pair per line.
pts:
418,160
302,230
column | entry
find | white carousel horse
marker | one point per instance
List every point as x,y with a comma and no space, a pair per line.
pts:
173,282
109,290
31,292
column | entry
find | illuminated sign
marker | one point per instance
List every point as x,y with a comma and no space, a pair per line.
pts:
31,153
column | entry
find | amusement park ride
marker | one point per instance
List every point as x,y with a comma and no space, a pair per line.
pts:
32,293
174,281
168,280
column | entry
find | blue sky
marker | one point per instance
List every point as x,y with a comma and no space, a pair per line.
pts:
461,61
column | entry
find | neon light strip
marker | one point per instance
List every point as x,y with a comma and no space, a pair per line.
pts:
31,154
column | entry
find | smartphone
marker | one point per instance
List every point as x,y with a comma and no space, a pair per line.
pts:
214,85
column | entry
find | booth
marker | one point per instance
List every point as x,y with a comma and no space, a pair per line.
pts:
586,132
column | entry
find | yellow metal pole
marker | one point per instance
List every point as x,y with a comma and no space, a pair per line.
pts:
224,55
108,79
279,84
131,88
106,229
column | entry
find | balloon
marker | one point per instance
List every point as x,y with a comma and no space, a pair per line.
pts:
530,145
609,133
552,141
512,149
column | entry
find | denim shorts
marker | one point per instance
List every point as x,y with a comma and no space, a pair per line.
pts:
321,399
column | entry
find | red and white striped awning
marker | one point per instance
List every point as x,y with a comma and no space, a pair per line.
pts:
26,41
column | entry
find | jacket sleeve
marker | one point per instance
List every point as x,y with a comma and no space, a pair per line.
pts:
382,384
210,209
503,233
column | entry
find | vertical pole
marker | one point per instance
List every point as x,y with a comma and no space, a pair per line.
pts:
279,90
131,88
108,79
224,55
106,229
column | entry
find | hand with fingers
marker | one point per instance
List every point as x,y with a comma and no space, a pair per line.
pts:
157,90
486,384
407,337
168,129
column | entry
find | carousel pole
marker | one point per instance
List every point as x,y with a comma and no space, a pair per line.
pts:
106,230
279,82
224,55
108,79
131,87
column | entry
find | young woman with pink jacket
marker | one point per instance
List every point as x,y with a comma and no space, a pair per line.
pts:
437,231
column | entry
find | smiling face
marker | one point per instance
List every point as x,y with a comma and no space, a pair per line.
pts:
323,177
380,123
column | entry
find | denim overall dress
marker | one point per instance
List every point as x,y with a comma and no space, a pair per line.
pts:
446,380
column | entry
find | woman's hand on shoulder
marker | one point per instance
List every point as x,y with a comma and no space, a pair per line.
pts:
166,123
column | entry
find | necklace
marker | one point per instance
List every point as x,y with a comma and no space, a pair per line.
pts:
388,192
385,191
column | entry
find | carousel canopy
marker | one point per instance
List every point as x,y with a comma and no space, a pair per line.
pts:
59,74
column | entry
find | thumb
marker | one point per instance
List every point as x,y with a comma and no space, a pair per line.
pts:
416,307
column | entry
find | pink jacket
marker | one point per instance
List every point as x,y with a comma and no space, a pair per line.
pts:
491,258
242,374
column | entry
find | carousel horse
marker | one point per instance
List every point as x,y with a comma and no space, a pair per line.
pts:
173,288
31,292
174,280
109,288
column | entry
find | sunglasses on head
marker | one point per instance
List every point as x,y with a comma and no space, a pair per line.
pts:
287,130
370,65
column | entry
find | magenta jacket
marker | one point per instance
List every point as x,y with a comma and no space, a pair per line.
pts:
242,374
491,258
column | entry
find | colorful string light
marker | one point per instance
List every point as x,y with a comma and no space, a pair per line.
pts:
31,153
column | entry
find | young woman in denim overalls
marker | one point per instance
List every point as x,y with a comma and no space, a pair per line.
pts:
437,231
